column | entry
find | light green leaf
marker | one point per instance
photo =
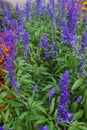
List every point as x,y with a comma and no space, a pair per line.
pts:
77,84
52,105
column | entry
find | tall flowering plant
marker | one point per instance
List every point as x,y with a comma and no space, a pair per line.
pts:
63,114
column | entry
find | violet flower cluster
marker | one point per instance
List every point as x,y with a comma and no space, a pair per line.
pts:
28,9
10,68
14,33
63,114
82,54
39,7
19,14
69,27
1,128
46,46
44,128
51,92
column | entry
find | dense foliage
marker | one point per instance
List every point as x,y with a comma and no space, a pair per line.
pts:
43,66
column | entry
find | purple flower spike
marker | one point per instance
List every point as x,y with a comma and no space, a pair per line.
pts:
35,88
55,47
28,8
79,99
1,128
44,128
51,92
63,114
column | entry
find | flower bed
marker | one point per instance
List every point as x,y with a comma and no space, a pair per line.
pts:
43,66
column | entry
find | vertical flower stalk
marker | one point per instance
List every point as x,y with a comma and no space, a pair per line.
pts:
55,49
51,10
69,27
19,14
39,7
26,42
51,94
28,9
10,68
46,46
63,114
82,52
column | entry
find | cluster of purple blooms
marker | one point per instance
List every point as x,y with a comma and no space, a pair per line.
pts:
63,114
68,28
14,31
44,43
1,128
44,128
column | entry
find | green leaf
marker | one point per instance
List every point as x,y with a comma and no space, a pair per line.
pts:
41,108
52,105
51,126
7,115
41,121
78,115
82,128
84,97
23,115
77,83
19,128
47,87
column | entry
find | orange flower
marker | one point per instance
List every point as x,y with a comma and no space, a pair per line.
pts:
1,61
9,96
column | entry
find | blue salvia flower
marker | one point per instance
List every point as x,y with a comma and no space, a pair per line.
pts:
10,68
26,41
55,49
9,11
52,15
84,42
65,96
39,7
28,8
2,128
52,2
44,128
79,99
63,114
82,66
61,12
10,40
69,28
19,13
46,46
35,88
51,92
51,12
3,7
84,22
82,53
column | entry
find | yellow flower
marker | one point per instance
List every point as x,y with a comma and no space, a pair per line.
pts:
84,5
